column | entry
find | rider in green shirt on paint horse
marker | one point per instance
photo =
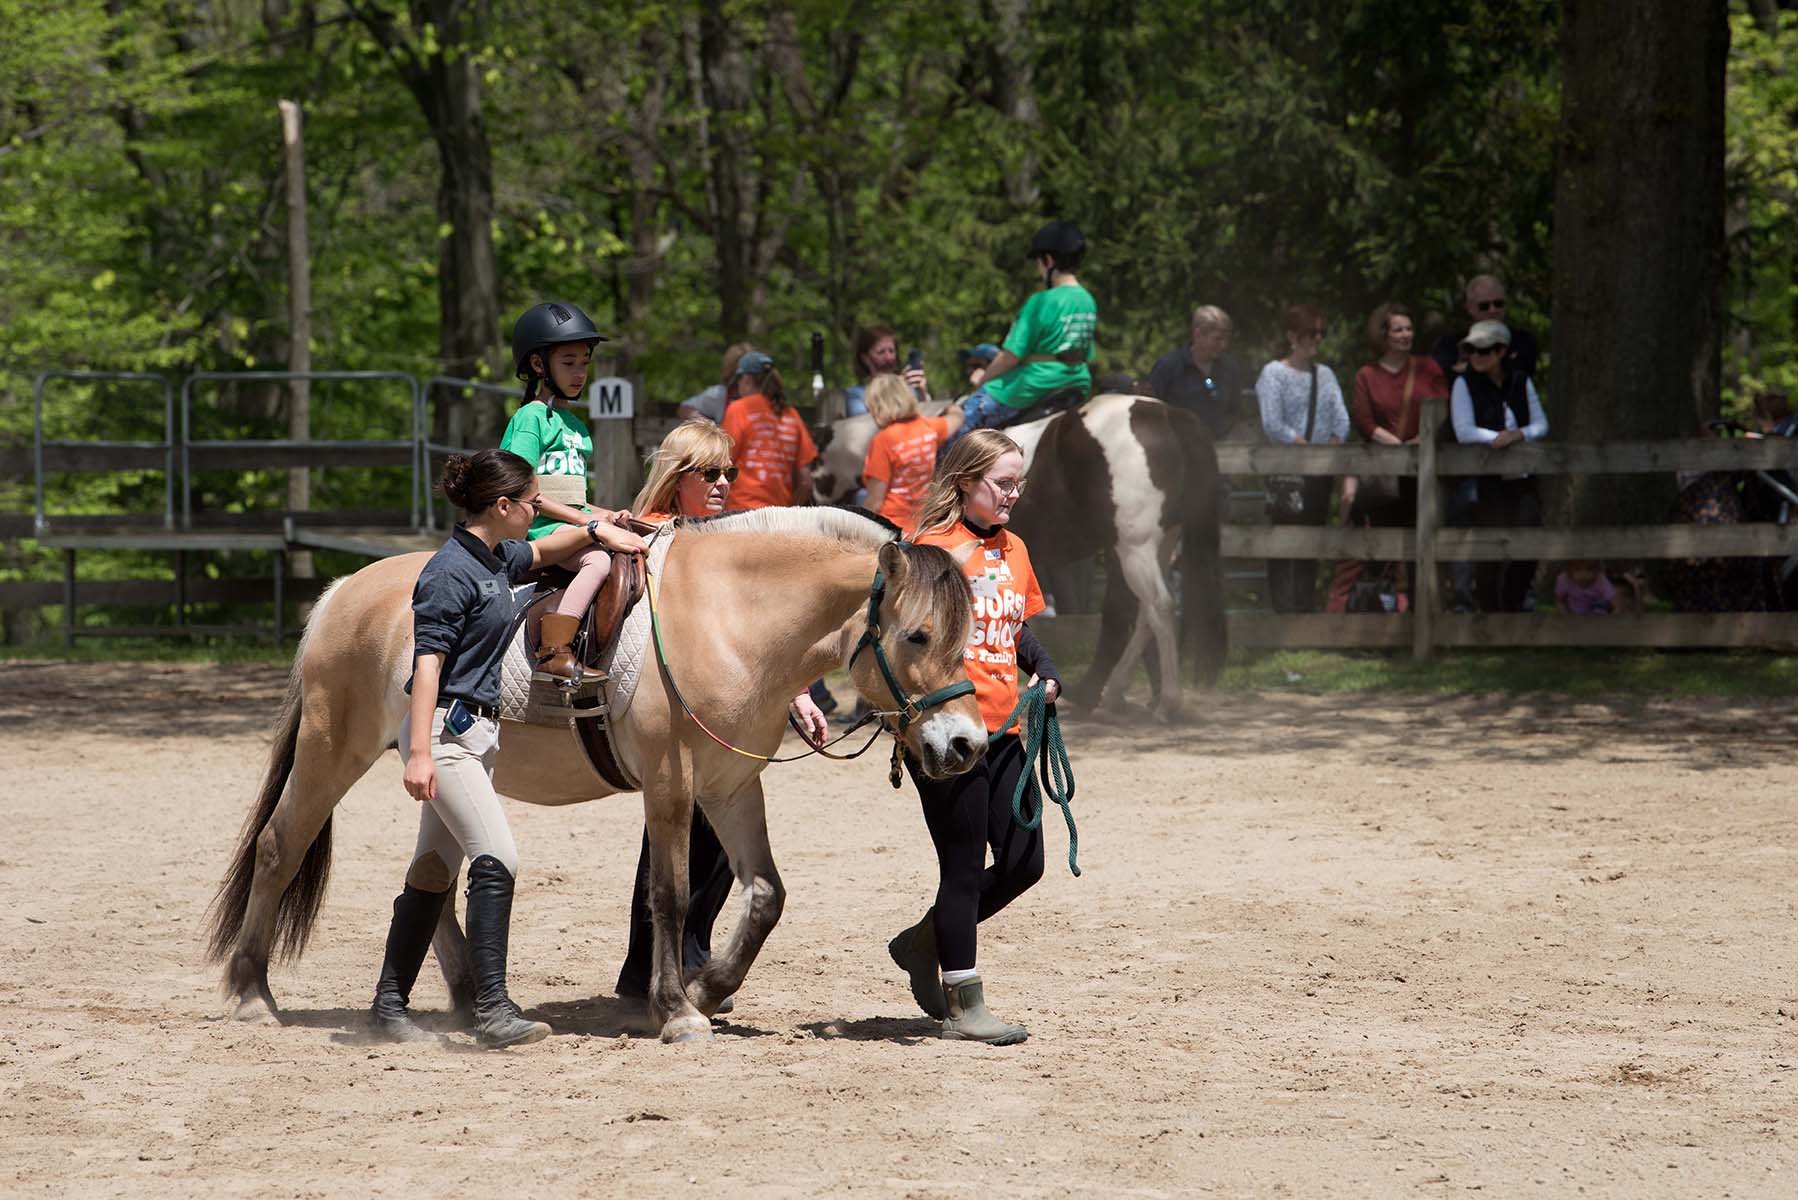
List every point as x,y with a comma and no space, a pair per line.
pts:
1049,346
552,344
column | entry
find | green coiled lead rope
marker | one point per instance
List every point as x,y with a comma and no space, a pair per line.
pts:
1040,730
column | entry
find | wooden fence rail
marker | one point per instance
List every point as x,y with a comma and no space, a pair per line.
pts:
1429,544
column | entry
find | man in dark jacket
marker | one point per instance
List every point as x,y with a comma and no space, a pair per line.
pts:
1201,377
1484,300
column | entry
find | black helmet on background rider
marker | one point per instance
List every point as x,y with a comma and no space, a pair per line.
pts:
551,323
1061,243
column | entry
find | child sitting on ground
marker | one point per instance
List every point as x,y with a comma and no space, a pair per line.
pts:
1583,588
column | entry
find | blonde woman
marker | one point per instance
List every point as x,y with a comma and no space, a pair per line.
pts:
970,501
902,456
690,475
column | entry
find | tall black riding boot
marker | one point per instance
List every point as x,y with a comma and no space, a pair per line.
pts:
415,914
497,1021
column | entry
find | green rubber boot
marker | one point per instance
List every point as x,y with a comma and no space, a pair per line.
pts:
914,950
970,1021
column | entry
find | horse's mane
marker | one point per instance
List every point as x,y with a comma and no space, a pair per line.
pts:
855,526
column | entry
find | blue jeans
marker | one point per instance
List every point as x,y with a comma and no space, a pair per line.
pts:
981,411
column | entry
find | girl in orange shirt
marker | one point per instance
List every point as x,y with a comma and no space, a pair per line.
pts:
966,509
773,449
902,457
690,475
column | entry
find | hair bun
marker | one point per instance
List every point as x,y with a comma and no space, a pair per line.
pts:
454,480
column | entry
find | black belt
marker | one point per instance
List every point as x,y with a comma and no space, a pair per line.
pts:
490,711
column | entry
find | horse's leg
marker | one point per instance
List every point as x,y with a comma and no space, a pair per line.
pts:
741,823
1117,680
1142,569
450,945
328,758
668,816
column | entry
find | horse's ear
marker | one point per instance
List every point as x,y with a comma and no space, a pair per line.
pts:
962,553
893,563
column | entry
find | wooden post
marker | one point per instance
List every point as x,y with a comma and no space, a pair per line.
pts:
1426,599
299,318
615,471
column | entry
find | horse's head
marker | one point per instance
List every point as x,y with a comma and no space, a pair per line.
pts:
912,659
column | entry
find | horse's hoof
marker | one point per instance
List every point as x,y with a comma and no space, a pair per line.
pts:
254,1010
687,1029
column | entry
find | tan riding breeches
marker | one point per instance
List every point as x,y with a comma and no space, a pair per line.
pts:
465,820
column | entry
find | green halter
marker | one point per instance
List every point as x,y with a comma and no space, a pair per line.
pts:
909,709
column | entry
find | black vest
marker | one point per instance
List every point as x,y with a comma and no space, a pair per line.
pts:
1491,399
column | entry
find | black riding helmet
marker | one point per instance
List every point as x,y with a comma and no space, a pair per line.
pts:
1061,242
551,323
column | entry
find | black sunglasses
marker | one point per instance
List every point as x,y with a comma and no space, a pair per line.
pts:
711,474
1488,305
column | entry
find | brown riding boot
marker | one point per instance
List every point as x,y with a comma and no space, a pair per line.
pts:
970,1021
555,645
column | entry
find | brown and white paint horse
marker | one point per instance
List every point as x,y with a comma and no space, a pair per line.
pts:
752,607
1125,476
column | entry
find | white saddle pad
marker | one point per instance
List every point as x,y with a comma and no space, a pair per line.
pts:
623,662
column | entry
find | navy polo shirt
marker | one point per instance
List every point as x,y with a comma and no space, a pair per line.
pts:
462,609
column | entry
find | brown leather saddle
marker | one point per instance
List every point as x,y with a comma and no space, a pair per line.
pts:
599,629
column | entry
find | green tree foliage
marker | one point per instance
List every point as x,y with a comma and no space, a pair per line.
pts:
1762,349
693,171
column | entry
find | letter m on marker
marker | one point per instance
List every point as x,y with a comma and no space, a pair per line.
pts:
609,400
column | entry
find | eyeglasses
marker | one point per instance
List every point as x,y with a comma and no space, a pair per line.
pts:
1489,305
536,502
1473,350
1006,487
713,474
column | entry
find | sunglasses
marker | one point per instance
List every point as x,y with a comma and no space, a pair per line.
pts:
1473,350
1489,305
713,474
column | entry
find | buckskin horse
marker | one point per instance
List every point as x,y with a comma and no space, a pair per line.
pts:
1124,476
750,607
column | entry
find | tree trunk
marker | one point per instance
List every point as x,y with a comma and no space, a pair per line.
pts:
1638,241
725,84
444,76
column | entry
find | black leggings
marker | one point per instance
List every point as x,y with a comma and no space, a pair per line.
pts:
965,815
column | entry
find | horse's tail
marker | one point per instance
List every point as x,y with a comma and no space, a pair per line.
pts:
1204,628
300,902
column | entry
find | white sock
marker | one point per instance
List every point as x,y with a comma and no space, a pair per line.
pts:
951,978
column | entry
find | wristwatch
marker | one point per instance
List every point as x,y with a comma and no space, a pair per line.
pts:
593,531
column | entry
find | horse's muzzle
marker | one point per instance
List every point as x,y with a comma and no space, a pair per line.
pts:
949,746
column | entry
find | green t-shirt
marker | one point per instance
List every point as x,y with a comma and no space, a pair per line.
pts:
554,441
1057,320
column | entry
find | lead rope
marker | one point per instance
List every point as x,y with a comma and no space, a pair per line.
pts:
1045,754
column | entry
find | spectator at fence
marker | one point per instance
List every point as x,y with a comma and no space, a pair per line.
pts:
1201,376
1300,403
1388,398
877,353
1494,405
1484,300
1584,588
710,403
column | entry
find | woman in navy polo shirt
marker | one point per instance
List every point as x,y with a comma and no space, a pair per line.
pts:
462,617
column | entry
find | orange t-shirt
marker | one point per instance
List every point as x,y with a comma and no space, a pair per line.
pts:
770,446
903,456
1005,596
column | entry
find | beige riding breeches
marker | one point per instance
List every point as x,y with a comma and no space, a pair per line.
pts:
465,820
